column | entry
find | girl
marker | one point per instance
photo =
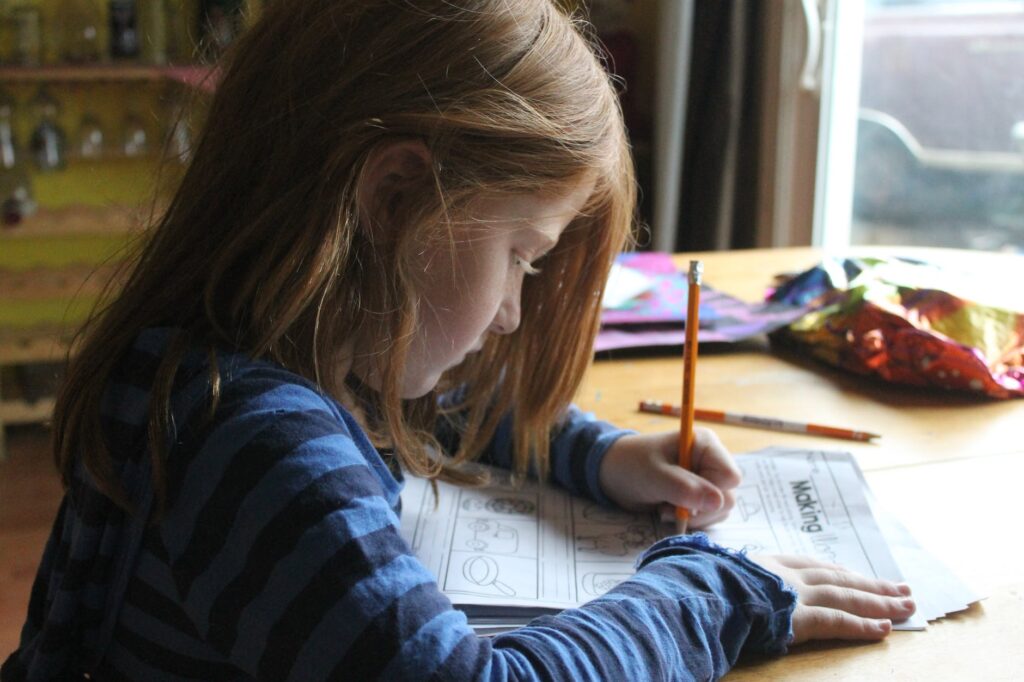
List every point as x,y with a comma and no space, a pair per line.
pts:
387,255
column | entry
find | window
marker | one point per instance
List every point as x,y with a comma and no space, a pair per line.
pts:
938,152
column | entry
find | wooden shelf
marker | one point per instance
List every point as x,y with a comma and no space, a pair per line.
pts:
200,77
24,412
39,282
77,220
84,73
32,347
55,263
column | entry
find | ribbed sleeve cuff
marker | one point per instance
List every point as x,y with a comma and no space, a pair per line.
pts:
592,467
768,601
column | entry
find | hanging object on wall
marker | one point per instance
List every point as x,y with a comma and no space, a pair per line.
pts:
136,137
48,141
124,33
16,201
8,151
91,138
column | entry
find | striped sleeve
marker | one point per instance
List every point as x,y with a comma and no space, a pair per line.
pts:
689,613
577,450
578,446
286,560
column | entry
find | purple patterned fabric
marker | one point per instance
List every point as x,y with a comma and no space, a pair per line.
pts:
658,318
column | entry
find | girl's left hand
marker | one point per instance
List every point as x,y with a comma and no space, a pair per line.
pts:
641,471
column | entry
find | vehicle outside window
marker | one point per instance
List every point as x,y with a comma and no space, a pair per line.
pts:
940,139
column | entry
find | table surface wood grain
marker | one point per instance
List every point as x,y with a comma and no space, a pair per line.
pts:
950,466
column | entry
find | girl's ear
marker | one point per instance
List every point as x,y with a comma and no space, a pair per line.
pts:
391,175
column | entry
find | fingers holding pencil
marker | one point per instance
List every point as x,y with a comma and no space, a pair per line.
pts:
640,472
706,488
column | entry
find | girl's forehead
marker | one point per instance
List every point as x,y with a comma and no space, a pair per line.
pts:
540,213
543,204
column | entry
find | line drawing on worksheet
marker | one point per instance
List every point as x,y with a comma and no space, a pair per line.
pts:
533,545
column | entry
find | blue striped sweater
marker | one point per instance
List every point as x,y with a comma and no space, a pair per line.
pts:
279,558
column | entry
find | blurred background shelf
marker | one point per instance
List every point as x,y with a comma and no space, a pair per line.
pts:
112,72
201,78
98,104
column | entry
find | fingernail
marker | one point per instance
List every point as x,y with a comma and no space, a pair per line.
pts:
710,502
903,588
907,604
883,626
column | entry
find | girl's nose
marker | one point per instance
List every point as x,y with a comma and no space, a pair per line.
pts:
506,320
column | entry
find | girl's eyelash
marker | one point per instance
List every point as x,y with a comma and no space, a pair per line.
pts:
525,265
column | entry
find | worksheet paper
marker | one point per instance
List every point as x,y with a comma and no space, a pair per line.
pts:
505,554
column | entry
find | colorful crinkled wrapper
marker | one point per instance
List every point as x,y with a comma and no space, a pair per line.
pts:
890,319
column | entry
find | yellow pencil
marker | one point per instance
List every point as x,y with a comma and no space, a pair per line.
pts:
689,379
758,422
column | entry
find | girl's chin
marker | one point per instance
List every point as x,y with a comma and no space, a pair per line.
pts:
417,389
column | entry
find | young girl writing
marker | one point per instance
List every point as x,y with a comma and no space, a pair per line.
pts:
387,255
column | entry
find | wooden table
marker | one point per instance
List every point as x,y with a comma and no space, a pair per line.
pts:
949,466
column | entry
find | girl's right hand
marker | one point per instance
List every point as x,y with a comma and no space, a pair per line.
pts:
835,603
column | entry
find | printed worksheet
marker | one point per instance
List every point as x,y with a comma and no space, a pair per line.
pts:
806,502
532,546
536,547
813,503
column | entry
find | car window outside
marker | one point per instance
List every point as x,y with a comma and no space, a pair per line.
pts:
940,135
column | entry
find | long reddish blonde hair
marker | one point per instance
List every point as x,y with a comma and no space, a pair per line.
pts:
261,249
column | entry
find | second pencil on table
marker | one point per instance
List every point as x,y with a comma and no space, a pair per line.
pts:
759,422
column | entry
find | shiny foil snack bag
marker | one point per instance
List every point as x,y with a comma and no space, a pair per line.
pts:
909,322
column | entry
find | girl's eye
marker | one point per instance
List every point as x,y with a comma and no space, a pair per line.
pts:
525,265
